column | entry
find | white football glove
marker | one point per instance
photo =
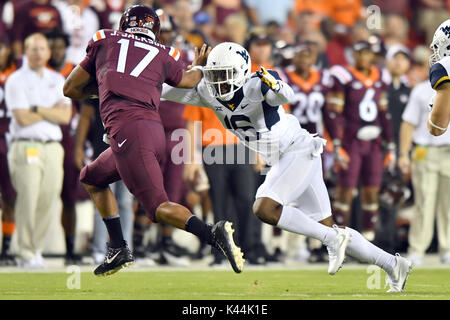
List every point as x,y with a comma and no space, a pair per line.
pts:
269,79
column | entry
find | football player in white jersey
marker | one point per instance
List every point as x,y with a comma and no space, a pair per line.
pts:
440,80
250,106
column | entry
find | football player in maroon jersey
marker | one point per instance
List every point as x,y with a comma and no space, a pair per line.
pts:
7,66
127,68
358,122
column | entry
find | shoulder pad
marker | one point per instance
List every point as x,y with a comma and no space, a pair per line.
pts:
439,73
341,74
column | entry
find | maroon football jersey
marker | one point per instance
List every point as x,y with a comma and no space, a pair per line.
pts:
5,115
309,98
31,17
130,70
362,97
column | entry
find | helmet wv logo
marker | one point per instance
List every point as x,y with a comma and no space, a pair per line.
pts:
446,30
243,54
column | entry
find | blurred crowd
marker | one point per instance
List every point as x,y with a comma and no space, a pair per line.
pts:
292,36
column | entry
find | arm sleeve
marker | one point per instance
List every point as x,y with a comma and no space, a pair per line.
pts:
438,75
334,123
15,96
88,63
174,67
281,97
183,96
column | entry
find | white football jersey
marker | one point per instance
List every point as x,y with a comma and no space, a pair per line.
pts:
254,115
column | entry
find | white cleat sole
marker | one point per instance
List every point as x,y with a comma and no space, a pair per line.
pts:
111,272
237,253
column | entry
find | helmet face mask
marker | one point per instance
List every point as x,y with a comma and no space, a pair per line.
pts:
441,43
227,69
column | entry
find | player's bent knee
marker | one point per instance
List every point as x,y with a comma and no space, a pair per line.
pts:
267,210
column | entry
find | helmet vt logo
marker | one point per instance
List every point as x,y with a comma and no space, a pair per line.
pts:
243,54
446,30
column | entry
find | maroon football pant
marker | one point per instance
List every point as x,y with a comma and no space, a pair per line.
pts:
136,155
366,163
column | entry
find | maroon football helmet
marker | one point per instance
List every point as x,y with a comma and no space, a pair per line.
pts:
142,20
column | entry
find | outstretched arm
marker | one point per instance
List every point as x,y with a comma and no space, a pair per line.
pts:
183,96
193,76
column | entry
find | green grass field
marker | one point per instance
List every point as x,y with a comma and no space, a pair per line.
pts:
224,285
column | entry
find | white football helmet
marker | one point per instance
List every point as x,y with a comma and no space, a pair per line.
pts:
227,69
441,42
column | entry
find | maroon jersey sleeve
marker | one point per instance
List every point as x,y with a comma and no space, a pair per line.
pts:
174,67
340,76
88,62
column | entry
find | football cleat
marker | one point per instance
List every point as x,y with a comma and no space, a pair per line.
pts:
115,259
7,260
336,249
222,233
397,280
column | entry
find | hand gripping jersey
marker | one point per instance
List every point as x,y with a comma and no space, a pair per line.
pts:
130,70
309,98
254,115
362,97
440,73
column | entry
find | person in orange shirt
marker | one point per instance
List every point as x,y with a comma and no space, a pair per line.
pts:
231,177
7,66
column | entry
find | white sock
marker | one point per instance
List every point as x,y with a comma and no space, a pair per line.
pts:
294,220
362,249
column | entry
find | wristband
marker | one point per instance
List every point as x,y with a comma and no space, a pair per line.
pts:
34,109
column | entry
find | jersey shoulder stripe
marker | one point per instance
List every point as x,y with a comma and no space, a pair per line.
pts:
439,73
174,53
99,35
341,74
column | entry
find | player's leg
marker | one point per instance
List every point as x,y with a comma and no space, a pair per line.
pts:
280,189
347,182
371,177
8,199
369,199
96,178
68,197
138,162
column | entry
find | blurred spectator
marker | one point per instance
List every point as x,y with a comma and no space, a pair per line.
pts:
261,12
430,176
311,12
34,96
90,125
339,49
236,28
7,66
33,16
346,12
80,22
318,44
259,47
221,9
398,64
400,7
108,12
420,65
430,14
396,30
203,23
184,20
